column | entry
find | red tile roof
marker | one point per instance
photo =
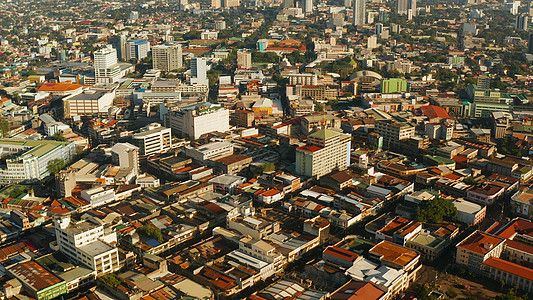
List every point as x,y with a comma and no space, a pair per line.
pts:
510,267
519,225
432,111
310,148
341,253
479,241
355,290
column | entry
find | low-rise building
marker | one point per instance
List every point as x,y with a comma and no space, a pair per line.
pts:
38,281
477,248
468,212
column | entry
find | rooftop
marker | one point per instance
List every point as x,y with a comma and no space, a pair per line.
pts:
480,242
393,253
510,267
34,275
96,248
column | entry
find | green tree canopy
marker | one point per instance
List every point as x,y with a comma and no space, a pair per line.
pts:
58,136
55,165
149,230
436,211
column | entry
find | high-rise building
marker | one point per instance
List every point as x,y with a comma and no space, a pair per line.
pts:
394,133
134,15
137,49
153,139
231,3
119,42
483,82
198,119
307,6
199,71
521,22
326,150
348,3
126,156
359,12
530,43
379,29
244,59
106,67
216,4
406,7
167,57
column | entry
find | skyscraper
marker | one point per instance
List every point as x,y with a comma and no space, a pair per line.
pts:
106,68
167,57
521,22
137,49
530,43
308,6
119,42
199,71
406,7
244,59
359,12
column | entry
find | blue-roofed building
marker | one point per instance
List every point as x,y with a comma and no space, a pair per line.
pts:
137,49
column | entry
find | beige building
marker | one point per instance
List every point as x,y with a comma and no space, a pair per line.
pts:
477,248
315,122
326,150
244,59
167,57
153,139
394,133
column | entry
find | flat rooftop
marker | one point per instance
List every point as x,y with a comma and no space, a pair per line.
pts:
96,248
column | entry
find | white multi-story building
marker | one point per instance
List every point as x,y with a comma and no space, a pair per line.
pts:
199,71
359,12
210,151
98,196
88,103
137,49
244,59
106,67
86,243
153,139
31,158
198,119
167,57
325,151
126,156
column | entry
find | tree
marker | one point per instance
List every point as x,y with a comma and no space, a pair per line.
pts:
111,280
470,180
268,167
436,210
509,296
58,136
149,230
55,165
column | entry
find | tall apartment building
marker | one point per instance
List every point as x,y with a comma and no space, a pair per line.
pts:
308,6
394,133
119,43
359,12
137,49
231,3
406,7
215,4
126,156
244,59
28,159
167,57
521,22
106,67
198,119
243,118
86,243
153,139
325,151
199,71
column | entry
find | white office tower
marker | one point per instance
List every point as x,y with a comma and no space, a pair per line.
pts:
521,22
244,59
412,7
513,7
106,67
359,12
167,57
308,6
153,139
195,120
199,71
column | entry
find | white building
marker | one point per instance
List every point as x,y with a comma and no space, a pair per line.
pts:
32,162
126,156
153,139
98,196
167,57
106,67
325,151
244,59
86,243
198,119
303,79
199,71
210,151
137,49
359,12
88,103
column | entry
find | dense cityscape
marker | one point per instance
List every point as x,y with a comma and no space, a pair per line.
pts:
266,149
